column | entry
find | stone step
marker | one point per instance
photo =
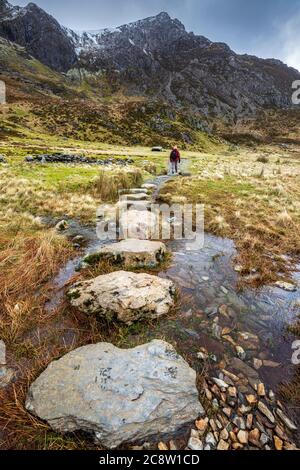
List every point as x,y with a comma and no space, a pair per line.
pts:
136,197
124,296
149,186
119,396
134,205
133,252
133,191
136,224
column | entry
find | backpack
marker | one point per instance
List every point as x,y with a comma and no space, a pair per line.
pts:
174,155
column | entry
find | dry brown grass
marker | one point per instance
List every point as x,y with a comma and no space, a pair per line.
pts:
27,261
261,213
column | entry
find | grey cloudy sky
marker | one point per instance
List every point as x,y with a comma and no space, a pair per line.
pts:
267,28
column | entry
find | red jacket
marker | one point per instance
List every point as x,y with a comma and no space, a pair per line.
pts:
175,156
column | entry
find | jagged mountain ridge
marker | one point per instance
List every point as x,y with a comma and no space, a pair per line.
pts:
39,33
158,58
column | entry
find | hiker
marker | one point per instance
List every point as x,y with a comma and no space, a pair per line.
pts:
174,159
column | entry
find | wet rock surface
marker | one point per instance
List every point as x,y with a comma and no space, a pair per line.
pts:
240,421
120,396
164,59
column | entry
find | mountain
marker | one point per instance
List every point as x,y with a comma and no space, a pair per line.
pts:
154,60
158,57
39,33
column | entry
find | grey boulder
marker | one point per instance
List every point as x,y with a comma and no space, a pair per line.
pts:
124,296
120,396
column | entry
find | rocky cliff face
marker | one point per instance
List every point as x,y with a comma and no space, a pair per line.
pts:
39,32
156,57
159,57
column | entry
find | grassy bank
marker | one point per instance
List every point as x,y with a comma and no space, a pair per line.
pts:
252,197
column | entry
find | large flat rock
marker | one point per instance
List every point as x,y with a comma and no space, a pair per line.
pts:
120,396
124,296
132,252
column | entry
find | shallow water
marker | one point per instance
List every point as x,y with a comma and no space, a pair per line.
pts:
265,312
91,243
206,281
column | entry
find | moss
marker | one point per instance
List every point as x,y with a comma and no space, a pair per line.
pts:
73,294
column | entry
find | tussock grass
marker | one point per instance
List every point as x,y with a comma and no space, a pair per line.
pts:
263,159
108,184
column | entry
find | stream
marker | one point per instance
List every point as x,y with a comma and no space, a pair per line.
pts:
210,302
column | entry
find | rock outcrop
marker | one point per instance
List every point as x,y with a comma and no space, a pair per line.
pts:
120,396
124,296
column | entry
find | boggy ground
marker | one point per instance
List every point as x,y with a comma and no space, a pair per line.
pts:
252,196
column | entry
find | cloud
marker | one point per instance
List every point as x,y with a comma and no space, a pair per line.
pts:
290,36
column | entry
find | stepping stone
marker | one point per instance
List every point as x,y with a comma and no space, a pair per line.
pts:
119,396
142,225
124,296
133,253
149,186
133,191
136,197
134,205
